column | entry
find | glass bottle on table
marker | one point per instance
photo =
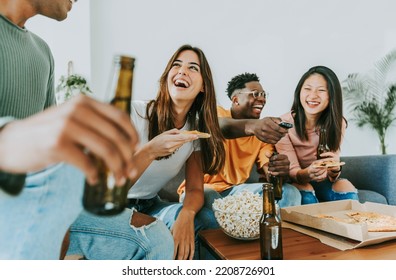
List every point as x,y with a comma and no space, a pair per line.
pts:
322,146
270,227
105,197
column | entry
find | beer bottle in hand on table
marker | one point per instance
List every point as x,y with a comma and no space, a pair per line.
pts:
105,198
270,227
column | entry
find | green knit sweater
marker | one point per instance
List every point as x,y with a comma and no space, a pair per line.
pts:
26,72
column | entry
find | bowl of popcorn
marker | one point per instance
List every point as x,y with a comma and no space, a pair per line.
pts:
239,215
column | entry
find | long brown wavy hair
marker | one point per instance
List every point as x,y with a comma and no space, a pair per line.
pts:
202,115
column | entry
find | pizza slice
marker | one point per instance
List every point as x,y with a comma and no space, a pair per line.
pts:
376,222
328,163
196,132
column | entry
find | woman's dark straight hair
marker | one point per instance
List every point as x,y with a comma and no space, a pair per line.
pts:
331,118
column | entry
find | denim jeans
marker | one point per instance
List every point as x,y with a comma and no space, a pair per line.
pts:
114,238
168,212
323,191
41,214
98,237
290,194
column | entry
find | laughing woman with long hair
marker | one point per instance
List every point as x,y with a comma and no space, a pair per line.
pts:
185,101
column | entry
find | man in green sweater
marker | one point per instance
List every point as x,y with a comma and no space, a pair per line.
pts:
46,141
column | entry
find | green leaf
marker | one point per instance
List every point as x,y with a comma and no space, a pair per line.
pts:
370,98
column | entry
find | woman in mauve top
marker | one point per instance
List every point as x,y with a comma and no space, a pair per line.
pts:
317,104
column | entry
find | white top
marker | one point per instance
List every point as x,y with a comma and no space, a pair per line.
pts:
159,172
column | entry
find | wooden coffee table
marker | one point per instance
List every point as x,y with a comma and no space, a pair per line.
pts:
296,246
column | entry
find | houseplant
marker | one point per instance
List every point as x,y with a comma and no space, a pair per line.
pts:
71,85
372,97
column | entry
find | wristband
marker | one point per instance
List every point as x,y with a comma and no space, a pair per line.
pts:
338,171
12,183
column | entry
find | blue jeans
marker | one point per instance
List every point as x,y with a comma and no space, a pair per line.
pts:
290,194
33,224
98,237
114,238
323,191
168,212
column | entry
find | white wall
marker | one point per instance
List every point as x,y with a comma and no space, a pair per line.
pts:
279,40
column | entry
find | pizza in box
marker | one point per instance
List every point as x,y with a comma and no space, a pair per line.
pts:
376,222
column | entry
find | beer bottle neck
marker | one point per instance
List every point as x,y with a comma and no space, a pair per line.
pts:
123,88
268,200
124,85
323,137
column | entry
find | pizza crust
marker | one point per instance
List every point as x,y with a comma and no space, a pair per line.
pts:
196,132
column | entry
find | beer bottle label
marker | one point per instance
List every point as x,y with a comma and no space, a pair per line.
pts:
274,237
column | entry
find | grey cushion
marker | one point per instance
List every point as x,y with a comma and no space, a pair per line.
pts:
373,173
366,195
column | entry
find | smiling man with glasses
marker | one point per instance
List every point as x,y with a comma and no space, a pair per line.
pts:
244,151
247,95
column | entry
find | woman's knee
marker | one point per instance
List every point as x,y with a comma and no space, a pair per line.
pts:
343,185
139,219
343,189
160,241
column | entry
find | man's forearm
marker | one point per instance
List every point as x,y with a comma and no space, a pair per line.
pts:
235,128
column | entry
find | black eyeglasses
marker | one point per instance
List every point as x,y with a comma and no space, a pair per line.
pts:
257,94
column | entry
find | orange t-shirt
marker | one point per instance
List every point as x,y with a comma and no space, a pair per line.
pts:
241,155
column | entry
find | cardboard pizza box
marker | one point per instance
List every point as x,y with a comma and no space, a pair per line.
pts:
341,235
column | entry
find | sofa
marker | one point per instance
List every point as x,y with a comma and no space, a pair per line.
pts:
370,174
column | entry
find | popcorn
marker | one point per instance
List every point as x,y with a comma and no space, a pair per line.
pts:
239,215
